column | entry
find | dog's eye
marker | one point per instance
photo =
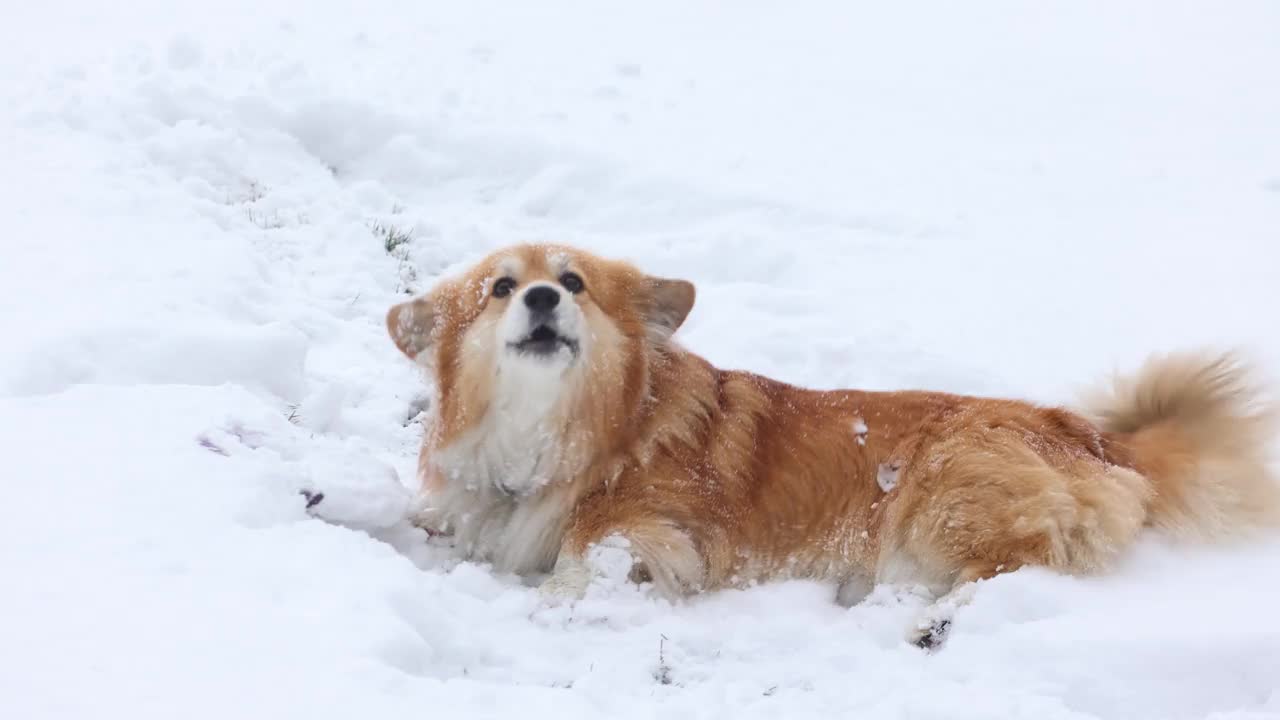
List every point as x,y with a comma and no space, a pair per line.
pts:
571,282
503,287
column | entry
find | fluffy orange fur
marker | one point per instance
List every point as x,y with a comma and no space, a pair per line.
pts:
717,478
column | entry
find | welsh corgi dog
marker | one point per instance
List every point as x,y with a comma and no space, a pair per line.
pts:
565,417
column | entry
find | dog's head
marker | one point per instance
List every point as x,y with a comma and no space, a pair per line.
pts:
539,321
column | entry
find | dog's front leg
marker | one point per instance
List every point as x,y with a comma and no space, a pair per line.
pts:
652,550
574,571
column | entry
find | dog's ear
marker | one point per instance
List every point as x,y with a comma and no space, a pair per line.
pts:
412,324
669,304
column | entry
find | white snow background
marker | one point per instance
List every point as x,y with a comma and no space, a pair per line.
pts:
988,197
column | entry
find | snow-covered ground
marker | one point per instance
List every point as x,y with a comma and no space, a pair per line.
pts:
196,205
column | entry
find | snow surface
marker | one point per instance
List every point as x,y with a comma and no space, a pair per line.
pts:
197,201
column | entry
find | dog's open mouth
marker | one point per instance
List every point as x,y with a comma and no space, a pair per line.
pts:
542,340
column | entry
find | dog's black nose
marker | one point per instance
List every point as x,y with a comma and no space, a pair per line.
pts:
542,298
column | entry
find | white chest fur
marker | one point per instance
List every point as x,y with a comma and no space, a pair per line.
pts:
505,496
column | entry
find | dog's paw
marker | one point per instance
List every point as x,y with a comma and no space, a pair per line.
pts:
557,597
934,626
564,588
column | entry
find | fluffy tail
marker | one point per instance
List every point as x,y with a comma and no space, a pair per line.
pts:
1200,429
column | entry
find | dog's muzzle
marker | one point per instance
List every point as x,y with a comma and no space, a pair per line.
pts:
544,340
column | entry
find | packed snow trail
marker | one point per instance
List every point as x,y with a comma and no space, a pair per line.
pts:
209,209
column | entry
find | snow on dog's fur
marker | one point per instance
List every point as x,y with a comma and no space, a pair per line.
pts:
566,417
